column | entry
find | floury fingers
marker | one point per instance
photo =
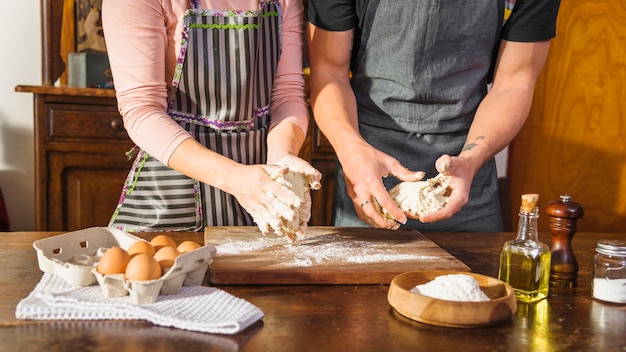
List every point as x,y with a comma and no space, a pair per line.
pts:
287,217
299,184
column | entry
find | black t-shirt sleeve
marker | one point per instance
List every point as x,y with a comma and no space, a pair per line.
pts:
332,15
532,21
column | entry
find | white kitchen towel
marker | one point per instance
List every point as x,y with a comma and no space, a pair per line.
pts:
195,308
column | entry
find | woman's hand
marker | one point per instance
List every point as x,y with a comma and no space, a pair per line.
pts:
300,166
271,204
300,177
279,198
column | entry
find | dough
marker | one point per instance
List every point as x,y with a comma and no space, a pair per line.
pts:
420,197
299,183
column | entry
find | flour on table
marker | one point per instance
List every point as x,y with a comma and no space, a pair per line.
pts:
320,249
452,287
238,247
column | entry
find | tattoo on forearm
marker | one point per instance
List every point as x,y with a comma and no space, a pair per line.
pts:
470,146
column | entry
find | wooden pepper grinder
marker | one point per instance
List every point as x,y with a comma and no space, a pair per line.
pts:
563,221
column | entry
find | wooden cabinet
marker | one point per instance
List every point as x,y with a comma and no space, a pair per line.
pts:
319,153
80,157
80,141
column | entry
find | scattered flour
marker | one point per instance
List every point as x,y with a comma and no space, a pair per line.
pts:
238,247
453,287
320,249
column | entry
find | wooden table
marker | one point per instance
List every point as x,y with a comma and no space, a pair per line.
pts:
329,317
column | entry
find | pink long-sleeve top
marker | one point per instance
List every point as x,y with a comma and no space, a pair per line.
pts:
143,42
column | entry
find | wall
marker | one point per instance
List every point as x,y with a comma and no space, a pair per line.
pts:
21,64
574,140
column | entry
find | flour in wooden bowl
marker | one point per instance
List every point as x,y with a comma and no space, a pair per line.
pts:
452,287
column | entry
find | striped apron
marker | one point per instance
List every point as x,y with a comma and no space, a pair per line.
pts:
221,96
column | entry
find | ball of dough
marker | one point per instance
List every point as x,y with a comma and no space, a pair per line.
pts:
420,197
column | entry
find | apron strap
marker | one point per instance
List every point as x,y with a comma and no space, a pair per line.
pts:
368,19
508,8
195,4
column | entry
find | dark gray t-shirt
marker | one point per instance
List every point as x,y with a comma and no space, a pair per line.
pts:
531,20
428,62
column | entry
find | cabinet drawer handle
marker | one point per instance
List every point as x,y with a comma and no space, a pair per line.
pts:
117,125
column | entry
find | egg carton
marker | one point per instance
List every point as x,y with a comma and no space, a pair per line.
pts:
73,256
188,270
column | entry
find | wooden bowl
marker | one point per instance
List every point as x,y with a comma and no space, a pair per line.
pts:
451,313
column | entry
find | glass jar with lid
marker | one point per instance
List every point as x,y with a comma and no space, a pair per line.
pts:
609,271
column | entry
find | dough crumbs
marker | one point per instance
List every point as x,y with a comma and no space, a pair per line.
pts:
453,287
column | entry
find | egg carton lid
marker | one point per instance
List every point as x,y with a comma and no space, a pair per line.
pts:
72,255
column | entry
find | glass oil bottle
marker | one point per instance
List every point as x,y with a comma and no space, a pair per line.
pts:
524,261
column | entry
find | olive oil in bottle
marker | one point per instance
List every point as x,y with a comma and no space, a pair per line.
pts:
524,261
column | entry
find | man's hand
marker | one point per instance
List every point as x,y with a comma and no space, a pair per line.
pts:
364,170
459,176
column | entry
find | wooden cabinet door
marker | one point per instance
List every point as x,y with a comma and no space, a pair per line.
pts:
83,189
573,142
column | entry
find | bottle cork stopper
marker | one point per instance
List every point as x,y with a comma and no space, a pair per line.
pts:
529,202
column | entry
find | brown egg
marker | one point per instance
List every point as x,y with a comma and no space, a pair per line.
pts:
166,257
113,261
187,246
160,241
143,267
141,247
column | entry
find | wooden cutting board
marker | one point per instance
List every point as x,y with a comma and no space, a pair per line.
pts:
326,255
